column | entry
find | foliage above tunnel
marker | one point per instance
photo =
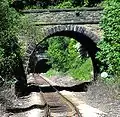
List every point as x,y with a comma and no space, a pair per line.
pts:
22,4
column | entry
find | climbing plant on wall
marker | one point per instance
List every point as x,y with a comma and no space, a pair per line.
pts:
110,44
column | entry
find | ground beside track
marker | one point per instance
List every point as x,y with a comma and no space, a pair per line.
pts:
98,97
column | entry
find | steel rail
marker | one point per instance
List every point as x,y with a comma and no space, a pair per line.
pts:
64,98
47,106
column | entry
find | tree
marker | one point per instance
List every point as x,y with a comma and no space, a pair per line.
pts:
57,53
10,58
62,53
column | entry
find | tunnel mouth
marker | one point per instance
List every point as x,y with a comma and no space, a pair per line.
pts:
42,66
88,44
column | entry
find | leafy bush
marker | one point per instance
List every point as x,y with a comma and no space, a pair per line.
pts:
83,71
57,53
77,3
110,45
9,47
65,4
53,72
64,56
92,3
39,4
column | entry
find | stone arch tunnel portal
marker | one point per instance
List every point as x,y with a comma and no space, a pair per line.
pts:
86,38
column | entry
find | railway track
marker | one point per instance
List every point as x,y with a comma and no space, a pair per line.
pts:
44,100
57,104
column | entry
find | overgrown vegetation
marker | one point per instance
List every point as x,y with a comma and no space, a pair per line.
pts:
110,44
83,72
10,55
63,51
77,3
64,56
16,33
109,54
41,4
9,47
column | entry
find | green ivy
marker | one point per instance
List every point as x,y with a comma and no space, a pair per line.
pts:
65,4
110,44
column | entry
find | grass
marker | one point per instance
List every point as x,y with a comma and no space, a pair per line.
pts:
82,72
113,83
103,96
53,72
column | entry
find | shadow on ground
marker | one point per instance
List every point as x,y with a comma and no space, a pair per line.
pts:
34,88
18,110
76,88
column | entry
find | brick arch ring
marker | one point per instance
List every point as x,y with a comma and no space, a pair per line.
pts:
61,31
72,28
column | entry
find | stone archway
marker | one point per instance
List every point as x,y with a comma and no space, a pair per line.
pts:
56,31
87,39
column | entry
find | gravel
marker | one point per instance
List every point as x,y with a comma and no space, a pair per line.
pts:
65,81
98,95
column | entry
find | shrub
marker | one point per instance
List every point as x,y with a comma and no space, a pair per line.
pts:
77,3
83,71
65,57
9,47
64,4
110,44
57,53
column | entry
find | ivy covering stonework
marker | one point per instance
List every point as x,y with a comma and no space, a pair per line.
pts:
110,44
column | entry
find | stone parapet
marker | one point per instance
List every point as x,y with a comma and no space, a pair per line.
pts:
63,16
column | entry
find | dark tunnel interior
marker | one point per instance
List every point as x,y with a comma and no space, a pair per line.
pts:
42,66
